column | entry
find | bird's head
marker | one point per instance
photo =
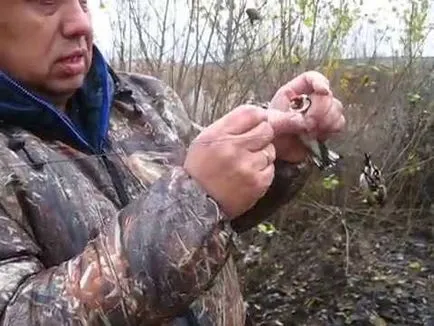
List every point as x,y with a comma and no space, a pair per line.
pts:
301,103
367,159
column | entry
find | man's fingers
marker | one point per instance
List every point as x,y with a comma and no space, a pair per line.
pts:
337,125
242,119
321,107
286,122
266,177
334,127
264,157
338,105
340,124
324,116
330,120
330,124
310,82
282,99
258,137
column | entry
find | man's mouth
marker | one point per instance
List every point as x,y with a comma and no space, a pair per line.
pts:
73,63
73,59
73,56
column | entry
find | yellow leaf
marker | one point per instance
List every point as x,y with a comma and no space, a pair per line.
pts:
415,265
365,80
378,321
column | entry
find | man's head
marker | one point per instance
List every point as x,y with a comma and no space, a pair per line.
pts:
46,45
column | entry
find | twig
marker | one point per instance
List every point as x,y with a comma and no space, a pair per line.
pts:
347,248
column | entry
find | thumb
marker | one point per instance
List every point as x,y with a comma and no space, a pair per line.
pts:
290,122
310,82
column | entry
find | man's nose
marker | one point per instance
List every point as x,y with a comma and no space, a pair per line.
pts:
76,20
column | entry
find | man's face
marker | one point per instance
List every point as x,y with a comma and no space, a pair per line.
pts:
46,44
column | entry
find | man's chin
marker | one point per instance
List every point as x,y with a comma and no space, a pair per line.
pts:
59,91
67,86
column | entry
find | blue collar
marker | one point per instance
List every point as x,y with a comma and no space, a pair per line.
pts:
86,126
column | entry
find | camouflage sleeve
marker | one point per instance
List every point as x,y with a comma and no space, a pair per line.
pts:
149,264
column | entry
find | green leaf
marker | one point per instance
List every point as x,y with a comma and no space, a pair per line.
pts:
266,228
330,182
308,21
414,98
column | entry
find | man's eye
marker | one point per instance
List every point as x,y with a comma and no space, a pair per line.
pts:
45,7
49,6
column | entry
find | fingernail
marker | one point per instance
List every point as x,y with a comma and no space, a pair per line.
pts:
324,90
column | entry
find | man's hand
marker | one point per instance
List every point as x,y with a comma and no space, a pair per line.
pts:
323,119
232,159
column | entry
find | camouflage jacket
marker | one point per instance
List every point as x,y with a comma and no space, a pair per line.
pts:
100,224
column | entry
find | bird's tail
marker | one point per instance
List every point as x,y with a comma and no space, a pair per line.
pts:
327,158
323,157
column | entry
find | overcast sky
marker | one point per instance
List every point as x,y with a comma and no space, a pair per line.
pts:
381,7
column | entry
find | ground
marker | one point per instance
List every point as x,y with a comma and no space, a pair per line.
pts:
341,269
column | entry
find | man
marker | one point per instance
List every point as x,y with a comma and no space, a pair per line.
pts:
113,209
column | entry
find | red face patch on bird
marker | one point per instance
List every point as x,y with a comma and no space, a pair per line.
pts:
301,103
